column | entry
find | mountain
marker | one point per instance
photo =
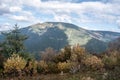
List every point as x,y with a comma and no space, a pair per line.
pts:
59,34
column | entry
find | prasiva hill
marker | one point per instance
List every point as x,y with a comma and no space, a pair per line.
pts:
58,34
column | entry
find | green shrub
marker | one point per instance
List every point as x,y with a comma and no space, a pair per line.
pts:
52,67
114,74
109,61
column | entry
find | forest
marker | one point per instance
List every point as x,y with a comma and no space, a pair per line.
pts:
69,63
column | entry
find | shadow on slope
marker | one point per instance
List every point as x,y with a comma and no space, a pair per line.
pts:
96,46
53,37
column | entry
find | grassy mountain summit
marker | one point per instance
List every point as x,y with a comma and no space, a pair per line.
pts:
59,34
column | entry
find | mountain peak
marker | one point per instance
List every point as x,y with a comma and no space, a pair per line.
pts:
59,34
60,25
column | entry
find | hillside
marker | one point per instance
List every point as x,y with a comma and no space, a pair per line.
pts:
59,34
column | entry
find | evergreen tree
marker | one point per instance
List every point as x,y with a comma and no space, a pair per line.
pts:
14,42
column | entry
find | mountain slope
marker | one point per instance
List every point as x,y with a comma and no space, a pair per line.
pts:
59,34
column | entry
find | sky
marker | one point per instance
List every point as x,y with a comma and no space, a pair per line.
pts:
88,14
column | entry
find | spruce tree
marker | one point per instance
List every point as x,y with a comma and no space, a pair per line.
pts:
14,42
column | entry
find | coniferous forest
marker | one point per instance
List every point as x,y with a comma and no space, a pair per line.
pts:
69,63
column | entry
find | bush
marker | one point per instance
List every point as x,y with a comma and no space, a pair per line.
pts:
77,53
64,55
14,64
75,67
114,74
2,59
93,62
80,51
74,53
64,66
52,67
31,67
42,66
48,54
109,61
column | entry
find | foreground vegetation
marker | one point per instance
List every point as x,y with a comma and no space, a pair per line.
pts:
70,63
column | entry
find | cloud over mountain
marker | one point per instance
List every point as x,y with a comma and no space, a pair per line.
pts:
86,13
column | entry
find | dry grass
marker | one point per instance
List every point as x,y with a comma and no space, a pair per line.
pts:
66,76
40,77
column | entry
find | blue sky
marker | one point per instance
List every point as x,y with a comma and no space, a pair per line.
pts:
88,14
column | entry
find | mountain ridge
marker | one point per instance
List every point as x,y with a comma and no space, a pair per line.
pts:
59,34
72,35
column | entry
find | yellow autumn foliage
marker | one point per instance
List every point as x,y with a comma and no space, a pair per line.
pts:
110,61
77,53
32,65
42,66
93,62
64,66
80,51
15,62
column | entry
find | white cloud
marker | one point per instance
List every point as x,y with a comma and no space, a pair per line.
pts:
62,18
32,3
93,11
118,22
3,9
5,26
24,16
62,10
9,8
15,9
19,18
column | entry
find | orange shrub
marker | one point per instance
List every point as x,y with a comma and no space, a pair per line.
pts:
93,62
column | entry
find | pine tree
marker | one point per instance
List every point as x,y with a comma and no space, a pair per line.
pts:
14,42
